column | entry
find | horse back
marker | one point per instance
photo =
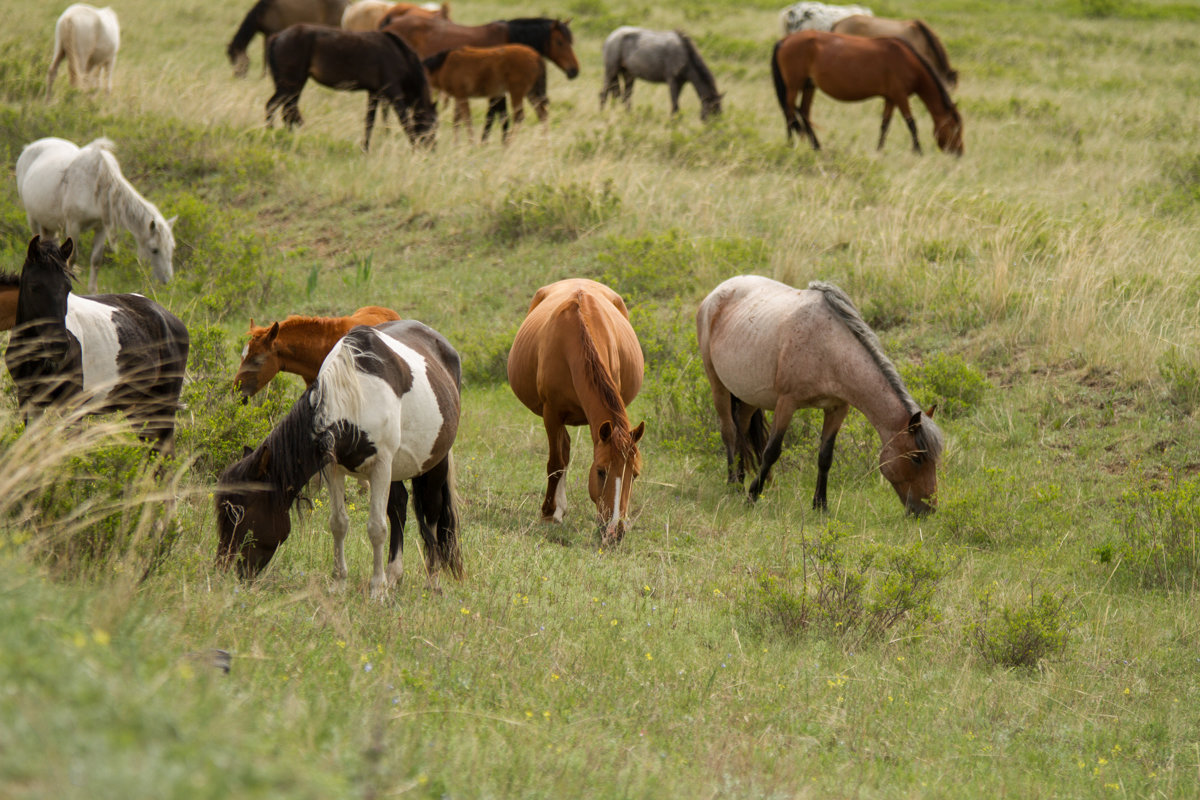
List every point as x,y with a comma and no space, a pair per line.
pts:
151,344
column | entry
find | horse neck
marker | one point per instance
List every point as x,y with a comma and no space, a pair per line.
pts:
303,343
699,75
598,393
122,204
297,452
932,92
885,408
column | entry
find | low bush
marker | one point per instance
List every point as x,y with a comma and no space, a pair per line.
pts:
1020,636
948,382
1159,529
554,212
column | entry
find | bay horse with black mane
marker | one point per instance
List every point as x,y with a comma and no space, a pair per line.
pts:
490,72
766,345
269,17
385,406
576,361
379,63
297,345
854,68
116,352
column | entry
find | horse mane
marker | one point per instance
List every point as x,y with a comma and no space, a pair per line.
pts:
937,81
534,31
696,61
436,61
928,436
339,378
119,200
935,44
298,451
249,27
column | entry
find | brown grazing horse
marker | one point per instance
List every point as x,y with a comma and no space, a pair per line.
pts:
577,361
913,31
489,72
379,63
270,17
767,345
853,68
297,345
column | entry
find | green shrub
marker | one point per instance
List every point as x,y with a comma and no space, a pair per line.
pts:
1020,637
554,212
1182,380
948,382
1159,548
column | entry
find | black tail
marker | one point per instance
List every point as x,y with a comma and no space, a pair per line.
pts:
434,501
249,27
789,114
752,444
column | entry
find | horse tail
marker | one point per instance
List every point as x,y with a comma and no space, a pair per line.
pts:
447,546
939,52
103,143
789,114
245,32
752,444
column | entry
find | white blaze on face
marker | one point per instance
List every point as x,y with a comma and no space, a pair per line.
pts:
616,509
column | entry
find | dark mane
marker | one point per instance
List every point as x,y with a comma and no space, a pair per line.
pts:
696,61
534,31
937,81
935,45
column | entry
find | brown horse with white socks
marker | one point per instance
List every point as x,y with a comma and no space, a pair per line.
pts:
577,361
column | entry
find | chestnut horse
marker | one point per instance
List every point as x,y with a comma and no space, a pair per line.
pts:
466,72
269,17
852,68
297,345
577,361
379,63
550,37
913,31
767,345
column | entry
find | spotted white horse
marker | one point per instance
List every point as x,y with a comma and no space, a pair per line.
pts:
810,16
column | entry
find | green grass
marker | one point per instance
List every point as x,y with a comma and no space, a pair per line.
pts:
1041,290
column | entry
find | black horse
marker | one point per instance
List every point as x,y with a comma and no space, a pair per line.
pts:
118,352
379,63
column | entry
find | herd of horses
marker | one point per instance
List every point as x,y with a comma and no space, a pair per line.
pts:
383,394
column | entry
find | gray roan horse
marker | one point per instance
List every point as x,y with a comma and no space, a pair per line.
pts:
384,407
767,345
668,57
118,352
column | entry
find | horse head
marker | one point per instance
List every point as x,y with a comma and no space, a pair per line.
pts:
909,461
46,275
559,49
949,132
157,246
260,361
616,462
710,106
250,525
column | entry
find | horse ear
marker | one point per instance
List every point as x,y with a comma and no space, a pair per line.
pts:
252,324
636,433
171,222
153,226
914,422
31,254
271,334
605,431
932,409
67,248
246,450
264,462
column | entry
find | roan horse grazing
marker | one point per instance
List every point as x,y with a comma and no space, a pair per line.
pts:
577,361
385,406
269,17
810,16
379,63
298,345
490,72
119,352
767,345
668,57
852,68
913,31
88,38
69,189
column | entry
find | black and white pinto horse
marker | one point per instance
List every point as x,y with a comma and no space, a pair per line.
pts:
812,16
384,407
113,352
668,57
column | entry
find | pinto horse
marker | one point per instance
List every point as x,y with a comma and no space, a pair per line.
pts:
668,57
298,345
385,406
118,352
379,63
765,345
269,17
577,361
88,39
913,31
489,72
853,68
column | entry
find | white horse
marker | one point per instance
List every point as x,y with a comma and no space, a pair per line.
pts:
88,39
816,16
67,189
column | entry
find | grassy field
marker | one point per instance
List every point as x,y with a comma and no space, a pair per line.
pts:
1037,637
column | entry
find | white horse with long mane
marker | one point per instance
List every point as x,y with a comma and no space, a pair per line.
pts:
67,189
810,16
88,38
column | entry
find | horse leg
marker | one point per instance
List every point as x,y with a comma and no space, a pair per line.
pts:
555,504
675,86
888,108
462,115
59,55
496,108
628,91
339,520
829,430
372,105
784,408
96,257
518,113
108,74
806,98
397,512
906,112
377,523
723,400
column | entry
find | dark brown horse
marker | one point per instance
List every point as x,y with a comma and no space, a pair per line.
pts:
379,63
270,17
490,72
577,361
297,345
854,68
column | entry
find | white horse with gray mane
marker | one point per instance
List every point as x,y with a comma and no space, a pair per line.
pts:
668,57
88,39
816,16
67,189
